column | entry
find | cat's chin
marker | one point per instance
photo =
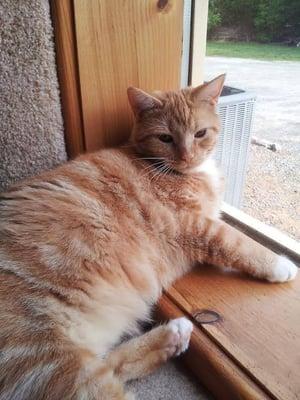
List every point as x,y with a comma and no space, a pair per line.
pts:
189,169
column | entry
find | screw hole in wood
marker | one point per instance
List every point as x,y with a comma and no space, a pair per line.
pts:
206,316
161,4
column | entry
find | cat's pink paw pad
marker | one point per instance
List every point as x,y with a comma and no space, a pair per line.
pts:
182,329
285,270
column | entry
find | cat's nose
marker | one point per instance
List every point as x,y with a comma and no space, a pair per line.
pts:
184,156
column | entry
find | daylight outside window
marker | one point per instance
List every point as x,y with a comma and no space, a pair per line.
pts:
258,45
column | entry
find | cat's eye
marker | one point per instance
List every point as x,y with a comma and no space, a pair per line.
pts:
165,138
200,134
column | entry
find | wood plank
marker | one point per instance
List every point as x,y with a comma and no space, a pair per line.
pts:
67,67
214,369
259,327
120,44
198,42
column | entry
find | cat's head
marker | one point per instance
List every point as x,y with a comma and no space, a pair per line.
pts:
180,128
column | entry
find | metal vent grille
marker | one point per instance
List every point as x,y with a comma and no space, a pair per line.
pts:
232,150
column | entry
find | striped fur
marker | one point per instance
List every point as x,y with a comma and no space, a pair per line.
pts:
86,249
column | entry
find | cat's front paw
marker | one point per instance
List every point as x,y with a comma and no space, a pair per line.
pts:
182,329
284,270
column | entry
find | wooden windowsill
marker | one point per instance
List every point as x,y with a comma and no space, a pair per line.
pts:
252,352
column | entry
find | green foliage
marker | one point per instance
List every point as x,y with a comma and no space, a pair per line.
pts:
292,12
214,17
237,12
256,51
267,20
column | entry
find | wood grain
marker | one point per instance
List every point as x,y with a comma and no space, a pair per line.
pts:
123,43
260,325
63,20
198,42
215,370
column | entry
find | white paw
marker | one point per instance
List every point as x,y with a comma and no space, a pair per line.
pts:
284,270
183,328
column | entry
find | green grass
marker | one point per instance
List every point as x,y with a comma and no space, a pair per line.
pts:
256,51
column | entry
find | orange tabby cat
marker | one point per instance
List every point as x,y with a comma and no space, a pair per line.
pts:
86,249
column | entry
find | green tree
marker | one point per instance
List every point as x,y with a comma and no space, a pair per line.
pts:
214,16
267,20
270,19
237,12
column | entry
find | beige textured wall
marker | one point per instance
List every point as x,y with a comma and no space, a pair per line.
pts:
31,125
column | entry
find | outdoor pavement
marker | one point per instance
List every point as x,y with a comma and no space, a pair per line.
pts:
277,86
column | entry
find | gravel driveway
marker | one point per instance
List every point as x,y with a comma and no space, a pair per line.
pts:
272,191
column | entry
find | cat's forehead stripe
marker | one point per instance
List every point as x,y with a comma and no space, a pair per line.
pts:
178,108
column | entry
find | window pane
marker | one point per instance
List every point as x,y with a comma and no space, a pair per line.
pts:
272,184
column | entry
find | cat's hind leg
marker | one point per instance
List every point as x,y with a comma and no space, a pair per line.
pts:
141,355
107,387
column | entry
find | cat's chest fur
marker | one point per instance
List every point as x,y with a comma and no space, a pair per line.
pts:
211,172
200,191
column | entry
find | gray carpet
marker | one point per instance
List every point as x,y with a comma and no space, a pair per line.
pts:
170,382
31,126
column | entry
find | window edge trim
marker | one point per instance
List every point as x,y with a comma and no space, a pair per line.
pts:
268,236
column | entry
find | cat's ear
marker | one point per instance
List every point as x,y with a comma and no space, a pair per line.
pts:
141,101
209,91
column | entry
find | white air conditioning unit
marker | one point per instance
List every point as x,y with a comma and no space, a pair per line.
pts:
236,109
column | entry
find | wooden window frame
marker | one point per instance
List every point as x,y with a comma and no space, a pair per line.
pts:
62,13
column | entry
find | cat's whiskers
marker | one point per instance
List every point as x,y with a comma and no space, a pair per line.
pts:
159,173
165,171
151,168
148,158
155,175
158,168
153,165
